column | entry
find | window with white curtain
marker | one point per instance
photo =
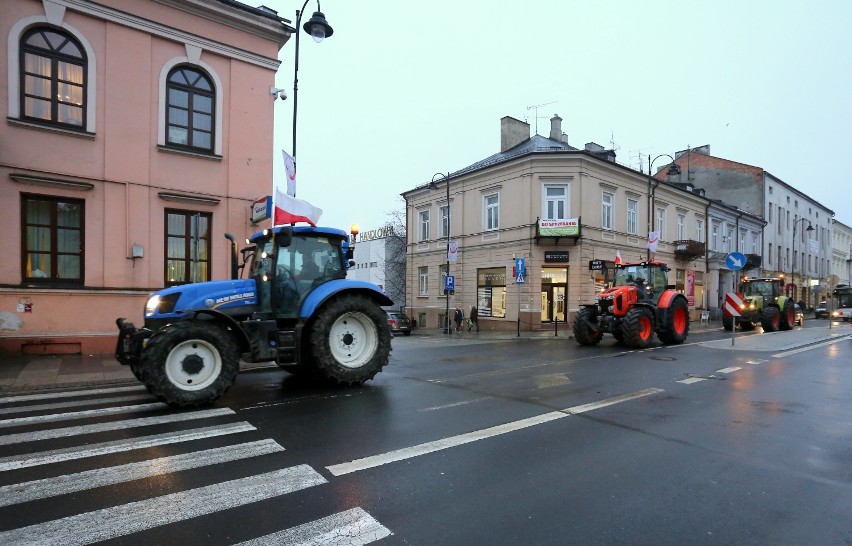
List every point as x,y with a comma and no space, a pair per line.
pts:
191,104
52,240
53,77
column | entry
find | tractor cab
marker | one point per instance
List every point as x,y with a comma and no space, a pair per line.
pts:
649,278
289,262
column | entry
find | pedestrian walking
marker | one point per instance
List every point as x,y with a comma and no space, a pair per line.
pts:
473,320
458,318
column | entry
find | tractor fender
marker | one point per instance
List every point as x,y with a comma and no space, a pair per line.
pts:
325,291
667,297
215,316
782,301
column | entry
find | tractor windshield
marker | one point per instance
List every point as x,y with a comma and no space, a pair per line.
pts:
627,275
758,288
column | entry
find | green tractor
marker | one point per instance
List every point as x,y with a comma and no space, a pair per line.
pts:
764,303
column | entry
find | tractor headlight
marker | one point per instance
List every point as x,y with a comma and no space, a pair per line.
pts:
151,306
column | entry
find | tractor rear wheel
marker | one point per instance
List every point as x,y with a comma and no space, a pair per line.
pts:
350,340
771,319
788,316
583,331
638,328
676,328
189,363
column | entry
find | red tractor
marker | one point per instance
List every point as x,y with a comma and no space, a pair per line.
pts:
639,303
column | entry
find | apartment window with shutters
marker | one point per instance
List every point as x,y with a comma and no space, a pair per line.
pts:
606,210
632,216
423,276
52,240
187,247
423,225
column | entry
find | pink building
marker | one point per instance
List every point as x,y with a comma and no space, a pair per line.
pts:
136,133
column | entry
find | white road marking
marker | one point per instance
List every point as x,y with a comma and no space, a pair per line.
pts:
755,362
691,380
112,425
453,405
732,369
809,347
353,527
100,477
71,415
461,439
118,521
15,462
67,394
75,404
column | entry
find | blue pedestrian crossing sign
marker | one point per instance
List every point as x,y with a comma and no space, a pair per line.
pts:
520,271
735,261
450,282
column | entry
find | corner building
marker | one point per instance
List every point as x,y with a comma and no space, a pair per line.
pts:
135,134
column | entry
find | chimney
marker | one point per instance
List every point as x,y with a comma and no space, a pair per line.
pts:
512,132
556,128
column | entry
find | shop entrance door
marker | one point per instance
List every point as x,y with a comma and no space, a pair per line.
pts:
553,303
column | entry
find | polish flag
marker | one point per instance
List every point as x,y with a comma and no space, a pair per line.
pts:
287,209
617,257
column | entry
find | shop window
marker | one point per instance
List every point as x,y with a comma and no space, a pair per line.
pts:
491,292
53,236
187,257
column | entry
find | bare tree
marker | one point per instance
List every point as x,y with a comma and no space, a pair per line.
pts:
393,261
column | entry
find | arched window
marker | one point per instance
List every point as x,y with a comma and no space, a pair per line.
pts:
189,116
53,82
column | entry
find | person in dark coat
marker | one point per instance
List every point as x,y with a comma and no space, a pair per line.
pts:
458,318
473,319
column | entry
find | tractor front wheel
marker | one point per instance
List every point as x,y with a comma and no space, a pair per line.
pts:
583,331
771,319
350,340
788,316
189,363
676,328
638,328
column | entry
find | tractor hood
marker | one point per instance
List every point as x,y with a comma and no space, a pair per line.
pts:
220,295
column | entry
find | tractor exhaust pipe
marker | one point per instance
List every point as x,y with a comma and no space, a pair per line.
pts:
234,263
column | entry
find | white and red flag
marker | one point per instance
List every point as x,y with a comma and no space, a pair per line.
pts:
286,208
617,257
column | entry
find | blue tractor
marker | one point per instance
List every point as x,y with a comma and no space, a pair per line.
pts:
295,308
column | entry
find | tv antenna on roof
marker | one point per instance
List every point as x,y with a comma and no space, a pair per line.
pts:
536,107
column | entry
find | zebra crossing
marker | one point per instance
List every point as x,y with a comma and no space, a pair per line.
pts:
54,445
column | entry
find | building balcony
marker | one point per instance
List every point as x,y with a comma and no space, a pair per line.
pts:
689,250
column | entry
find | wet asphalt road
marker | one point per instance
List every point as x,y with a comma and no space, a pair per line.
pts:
464,441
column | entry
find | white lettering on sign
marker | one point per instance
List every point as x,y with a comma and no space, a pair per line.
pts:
380,233
234,297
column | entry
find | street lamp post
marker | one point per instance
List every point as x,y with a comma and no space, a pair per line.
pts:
793,269
434,186
674,168
319,29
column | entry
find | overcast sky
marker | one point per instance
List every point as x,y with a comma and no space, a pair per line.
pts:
404,90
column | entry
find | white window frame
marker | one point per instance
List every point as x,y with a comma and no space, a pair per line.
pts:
661,223
444,214
553,203
607,199
423,275
632,216
681,226
699,230
491,212
423,225
714,235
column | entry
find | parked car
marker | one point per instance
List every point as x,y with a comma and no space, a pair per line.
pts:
399,323
821,310
799,314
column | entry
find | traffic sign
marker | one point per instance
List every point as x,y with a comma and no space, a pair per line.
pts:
450,282
733,304
735,261
520,270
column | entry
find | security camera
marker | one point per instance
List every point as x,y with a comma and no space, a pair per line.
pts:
283,95
276,93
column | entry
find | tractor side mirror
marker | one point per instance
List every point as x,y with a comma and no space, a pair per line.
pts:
284,237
